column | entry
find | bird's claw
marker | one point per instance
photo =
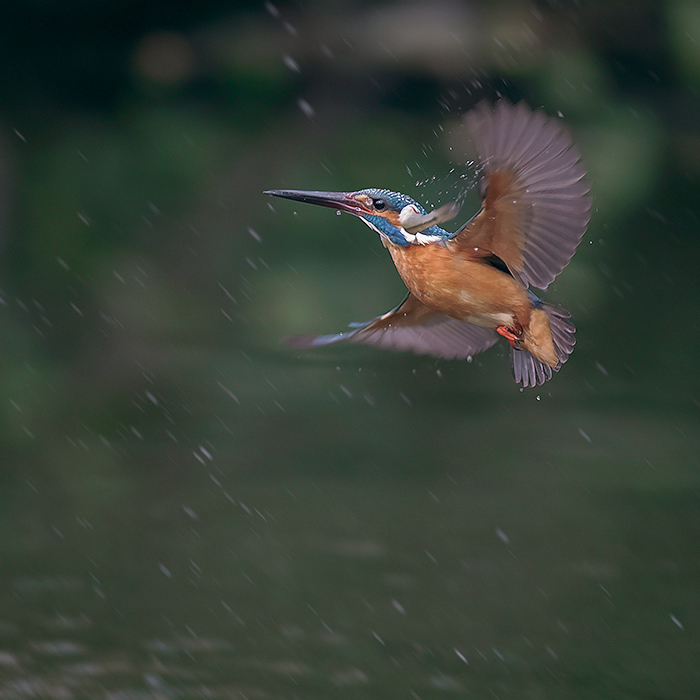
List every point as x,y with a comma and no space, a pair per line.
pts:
512,335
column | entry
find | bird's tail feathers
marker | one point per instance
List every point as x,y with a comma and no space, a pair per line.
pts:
527,369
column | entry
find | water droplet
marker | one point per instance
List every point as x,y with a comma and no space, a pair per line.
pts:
502,536
306,108
461,656
291,63
400,608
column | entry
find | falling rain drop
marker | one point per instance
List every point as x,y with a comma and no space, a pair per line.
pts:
306,108
291,63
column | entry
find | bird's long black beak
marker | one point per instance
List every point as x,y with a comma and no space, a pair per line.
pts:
343,201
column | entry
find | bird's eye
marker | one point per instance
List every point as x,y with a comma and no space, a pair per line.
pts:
379,204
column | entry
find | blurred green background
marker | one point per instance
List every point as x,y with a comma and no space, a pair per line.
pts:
187,508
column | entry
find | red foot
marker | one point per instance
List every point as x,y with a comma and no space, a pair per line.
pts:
512,335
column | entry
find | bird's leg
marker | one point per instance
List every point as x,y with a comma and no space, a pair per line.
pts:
512,335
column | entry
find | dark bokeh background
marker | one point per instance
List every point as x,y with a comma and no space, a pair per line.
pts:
188,509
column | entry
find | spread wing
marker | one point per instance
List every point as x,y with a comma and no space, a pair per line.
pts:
412,326
536,207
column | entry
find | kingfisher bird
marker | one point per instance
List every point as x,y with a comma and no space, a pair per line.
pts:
468,287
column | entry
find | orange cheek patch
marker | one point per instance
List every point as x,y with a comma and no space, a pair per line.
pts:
393,218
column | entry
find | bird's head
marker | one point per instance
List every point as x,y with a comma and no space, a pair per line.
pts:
394,216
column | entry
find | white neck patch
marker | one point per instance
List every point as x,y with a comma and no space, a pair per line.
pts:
419,238
412,238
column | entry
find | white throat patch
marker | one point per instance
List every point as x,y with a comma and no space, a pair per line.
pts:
419,238
412,238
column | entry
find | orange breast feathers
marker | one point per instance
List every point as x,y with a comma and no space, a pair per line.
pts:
460,284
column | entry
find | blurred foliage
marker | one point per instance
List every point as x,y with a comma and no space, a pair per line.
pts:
138,138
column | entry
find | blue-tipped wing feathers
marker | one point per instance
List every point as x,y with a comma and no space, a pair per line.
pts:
445,337
412,326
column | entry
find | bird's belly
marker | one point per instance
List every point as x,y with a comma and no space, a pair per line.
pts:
479,306
461,288
492,320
